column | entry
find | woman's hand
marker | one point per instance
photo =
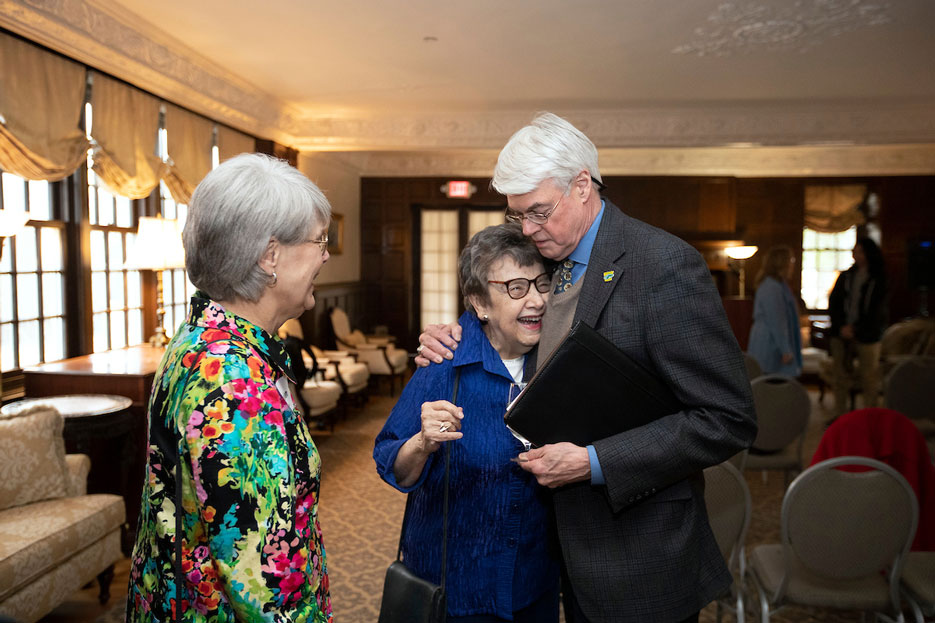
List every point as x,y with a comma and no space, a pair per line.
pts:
441,421
847,332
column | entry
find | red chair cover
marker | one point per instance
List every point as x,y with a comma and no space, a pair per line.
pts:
890,437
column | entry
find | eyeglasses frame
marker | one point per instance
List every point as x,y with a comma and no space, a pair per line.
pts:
530,283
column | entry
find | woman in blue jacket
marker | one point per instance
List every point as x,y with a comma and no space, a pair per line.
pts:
500,565
775,339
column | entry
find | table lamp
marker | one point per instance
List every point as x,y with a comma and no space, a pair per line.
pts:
11,223
158,247
740,255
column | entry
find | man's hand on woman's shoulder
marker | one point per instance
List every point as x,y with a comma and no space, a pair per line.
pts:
437,342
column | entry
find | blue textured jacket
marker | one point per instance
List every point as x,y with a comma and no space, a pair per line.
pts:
500,558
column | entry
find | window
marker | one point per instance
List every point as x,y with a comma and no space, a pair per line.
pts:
32,284
116,299
823,257
439,266
176,288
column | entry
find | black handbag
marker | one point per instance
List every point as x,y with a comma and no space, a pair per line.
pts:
408,598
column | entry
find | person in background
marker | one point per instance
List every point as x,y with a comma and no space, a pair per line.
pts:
500,564
858,309
775,337
229,524
629,509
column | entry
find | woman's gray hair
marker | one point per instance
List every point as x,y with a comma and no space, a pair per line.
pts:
484,249
548,148
235,211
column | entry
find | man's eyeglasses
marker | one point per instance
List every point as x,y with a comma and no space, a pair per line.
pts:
321,242
541,218
519,287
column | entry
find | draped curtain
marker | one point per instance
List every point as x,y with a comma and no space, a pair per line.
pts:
189,145
830,209
41,102
231,142
125,129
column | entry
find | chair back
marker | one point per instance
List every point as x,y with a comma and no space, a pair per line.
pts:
343,333
752,365
910,388
849,518
727,498
782,411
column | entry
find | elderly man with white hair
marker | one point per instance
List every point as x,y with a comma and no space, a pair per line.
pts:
629,509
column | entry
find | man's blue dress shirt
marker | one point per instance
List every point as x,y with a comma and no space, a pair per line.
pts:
580,256
499,556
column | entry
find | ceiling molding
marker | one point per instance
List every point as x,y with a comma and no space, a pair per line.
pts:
794,123
105,36
809,161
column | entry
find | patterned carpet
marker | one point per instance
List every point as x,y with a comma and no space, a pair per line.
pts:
361,515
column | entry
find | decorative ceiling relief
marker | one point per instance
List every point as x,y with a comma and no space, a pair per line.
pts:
746,26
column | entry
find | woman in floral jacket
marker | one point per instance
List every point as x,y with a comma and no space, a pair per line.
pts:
229,524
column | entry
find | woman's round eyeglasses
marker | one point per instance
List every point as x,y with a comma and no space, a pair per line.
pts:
519,287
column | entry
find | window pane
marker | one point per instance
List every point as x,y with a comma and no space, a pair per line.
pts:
5,262
6,298
52,294
124,212
29,343
100,332
27,296
50,241
135,327
118,338
98,250
133,288
39,207
25,243
116,291
54,339
92,198
179,289
14,192
7,347
98,291
115,250
105,207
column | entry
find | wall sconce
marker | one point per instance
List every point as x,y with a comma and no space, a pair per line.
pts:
158,247
740,255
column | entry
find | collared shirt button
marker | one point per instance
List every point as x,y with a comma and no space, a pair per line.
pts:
511,542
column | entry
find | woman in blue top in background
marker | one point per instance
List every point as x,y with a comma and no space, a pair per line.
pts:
775,339
501,566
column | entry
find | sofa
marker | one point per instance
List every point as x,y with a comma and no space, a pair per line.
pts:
54,537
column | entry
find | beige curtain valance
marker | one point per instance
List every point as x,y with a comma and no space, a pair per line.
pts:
189,144
231,142
830,209
41,100
125,129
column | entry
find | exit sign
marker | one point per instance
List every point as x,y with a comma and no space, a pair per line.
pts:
459,189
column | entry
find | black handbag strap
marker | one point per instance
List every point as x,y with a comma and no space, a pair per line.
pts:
399,549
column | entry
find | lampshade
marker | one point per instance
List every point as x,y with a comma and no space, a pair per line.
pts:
741,253
12,222
158,245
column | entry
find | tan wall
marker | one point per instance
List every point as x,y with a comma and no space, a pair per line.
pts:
341,184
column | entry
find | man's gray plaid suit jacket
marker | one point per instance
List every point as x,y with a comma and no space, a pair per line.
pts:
640,548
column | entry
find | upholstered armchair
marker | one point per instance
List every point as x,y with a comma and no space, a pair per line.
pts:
378,352
54,538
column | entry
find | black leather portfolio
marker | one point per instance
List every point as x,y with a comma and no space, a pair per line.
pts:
587,390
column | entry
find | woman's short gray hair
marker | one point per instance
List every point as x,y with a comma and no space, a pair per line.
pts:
548,148
235,211
484,249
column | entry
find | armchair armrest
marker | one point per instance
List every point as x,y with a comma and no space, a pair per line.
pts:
77,467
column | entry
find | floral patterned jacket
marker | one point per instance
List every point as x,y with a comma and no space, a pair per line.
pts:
251,546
